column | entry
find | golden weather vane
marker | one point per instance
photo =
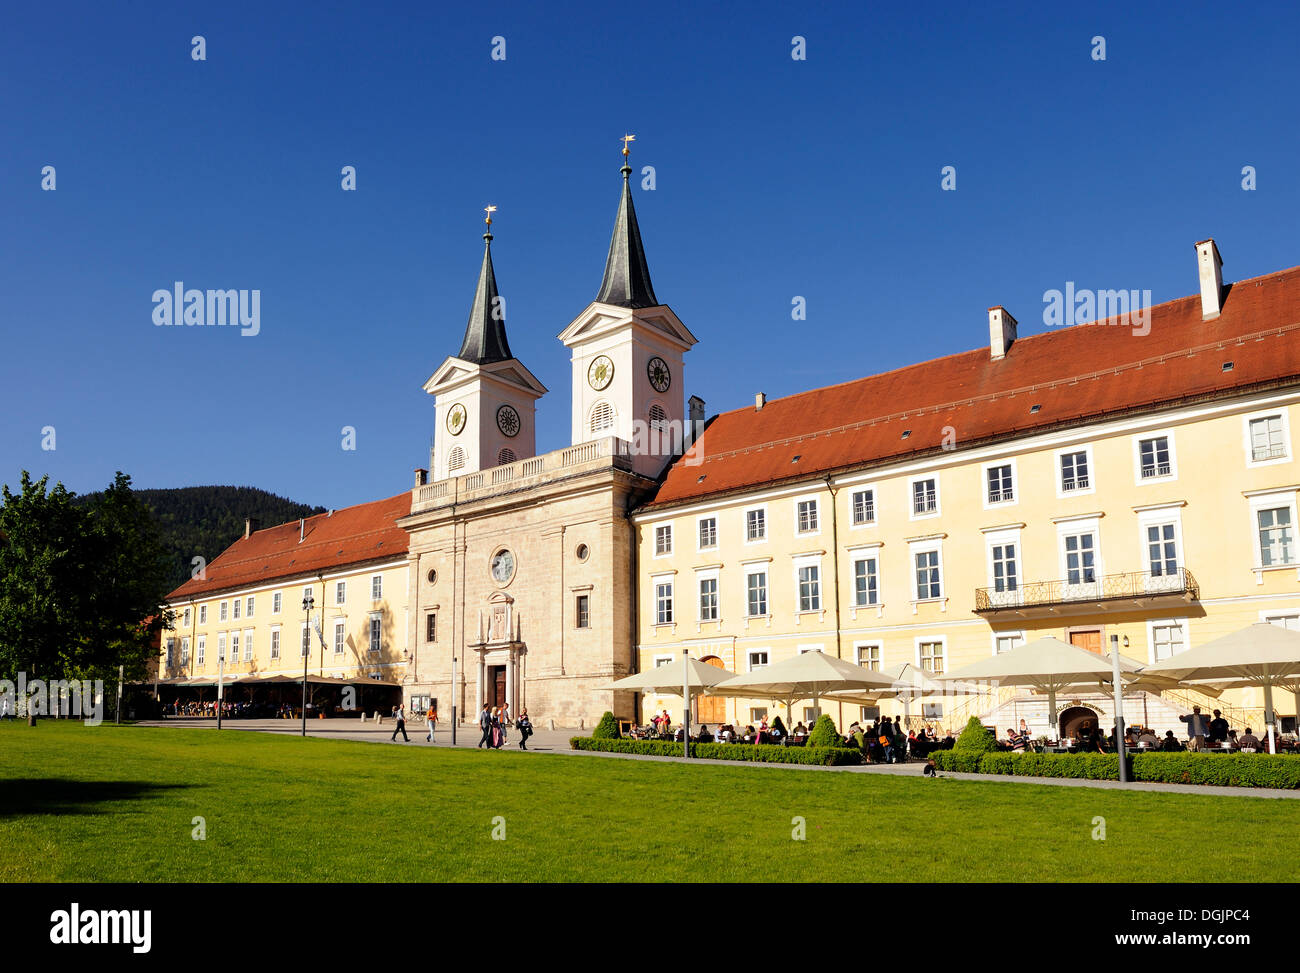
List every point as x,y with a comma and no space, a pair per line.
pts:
489,210
625,140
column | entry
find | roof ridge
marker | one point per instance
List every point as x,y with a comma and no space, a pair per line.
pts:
1008,393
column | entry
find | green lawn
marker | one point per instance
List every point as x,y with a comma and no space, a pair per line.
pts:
116,804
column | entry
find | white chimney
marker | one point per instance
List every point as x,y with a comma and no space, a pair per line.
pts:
1002,331
1210,266
760,400
302,525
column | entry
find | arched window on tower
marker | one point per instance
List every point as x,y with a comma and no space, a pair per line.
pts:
602,416
507,455
455,460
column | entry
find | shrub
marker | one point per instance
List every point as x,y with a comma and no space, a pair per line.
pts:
824,733
975,738
1221,770
958,761
607,728
762,753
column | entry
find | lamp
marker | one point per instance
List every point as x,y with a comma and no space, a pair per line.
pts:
308,602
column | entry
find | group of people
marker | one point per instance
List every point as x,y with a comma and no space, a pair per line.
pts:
495,721
208,708
1202,733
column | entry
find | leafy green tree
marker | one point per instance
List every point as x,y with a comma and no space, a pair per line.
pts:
975,738
824,733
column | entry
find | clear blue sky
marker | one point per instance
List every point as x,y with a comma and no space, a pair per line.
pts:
775,178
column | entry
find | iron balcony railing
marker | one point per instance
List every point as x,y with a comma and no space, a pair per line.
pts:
1128,586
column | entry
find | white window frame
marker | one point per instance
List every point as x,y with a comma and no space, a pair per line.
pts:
701,576
876,644
809,561
275,642
249,604
995,637
815,500
657,581
376,587
750,571
340,591
1267,501
874,490
203,614
926,546
749,658
371,647
916,651
1159,517
663,660
223,611
1154,623
699,541
760,509
248,644
221,647
1001,538
654,539
236,609
857,556
200,649
911,497
1059,476
185,619
277,602
1247,446
1015,483
1080,525
1271,616
340,644
185,651
1137,440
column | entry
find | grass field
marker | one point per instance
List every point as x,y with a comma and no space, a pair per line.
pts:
117,804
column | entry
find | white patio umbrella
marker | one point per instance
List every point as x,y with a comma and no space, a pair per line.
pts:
811,675
674,680
1050,666
1260,655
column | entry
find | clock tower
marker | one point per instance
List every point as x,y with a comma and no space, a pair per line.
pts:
485,399
627,352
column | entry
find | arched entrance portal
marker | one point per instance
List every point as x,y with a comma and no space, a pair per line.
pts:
1073,719
711,709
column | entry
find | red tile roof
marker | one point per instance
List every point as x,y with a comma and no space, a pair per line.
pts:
353,535
1075,374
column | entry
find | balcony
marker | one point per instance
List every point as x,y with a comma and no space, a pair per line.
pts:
1133,591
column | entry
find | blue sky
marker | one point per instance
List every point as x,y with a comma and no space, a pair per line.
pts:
776,178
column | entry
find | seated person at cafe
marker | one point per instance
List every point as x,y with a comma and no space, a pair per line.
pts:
799,730
1248,741
749,735
1218,729
1170,744
1148,737
777,731
705,736
1017,740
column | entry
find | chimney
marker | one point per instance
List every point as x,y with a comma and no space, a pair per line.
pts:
421,477
1210,266
302,527
251,526
760,400
1002,332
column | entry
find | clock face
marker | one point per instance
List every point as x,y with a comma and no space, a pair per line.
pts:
503,566
600,373
456,416
508,420
657,371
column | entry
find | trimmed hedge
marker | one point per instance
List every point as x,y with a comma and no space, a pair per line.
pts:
824,734
607,728
1222,770
975,738
761,753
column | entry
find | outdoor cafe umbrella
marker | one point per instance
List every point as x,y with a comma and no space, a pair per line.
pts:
811,675
1050,666
1260,655
670,680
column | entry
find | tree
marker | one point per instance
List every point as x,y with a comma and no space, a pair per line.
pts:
824,734
975,738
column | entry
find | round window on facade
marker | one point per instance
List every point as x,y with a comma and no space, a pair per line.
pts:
433,576
583,552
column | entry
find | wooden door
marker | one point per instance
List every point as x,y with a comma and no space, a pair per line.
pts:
711,709
1089,640
499,679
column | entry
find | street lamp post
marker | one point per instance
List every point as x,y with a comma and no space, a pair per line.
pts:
1118,687
307,603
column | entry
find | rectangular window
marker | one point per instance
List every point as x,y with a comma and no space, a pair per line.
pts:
865,584
928,582
663,540
755,525
248,645
925,496
185,620
1276,541
582,611
171,653
869,657
221,647
757,659
431,627
864,507
1005,643
1004,567
1080,558
239,603
248,607
807,516
199,646
756,594
1001,489
1267,439
932,657
185,652
708,599
664,603
1153,455
306,642
1166,640
708,532
376,633
203,614
377,588
1162,550
275,643
340,592
341,637
810,588
1074,471
275,603
222,611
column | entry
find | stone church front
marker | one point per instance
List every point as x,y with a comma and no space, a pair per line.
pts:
522,567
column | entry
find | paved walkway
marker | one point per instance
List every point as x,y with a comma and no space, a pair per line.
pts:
557,742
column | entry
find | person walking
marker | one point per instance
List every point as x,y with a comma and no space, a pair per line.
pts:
399,714
504,720
525,726
485,724
432,719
